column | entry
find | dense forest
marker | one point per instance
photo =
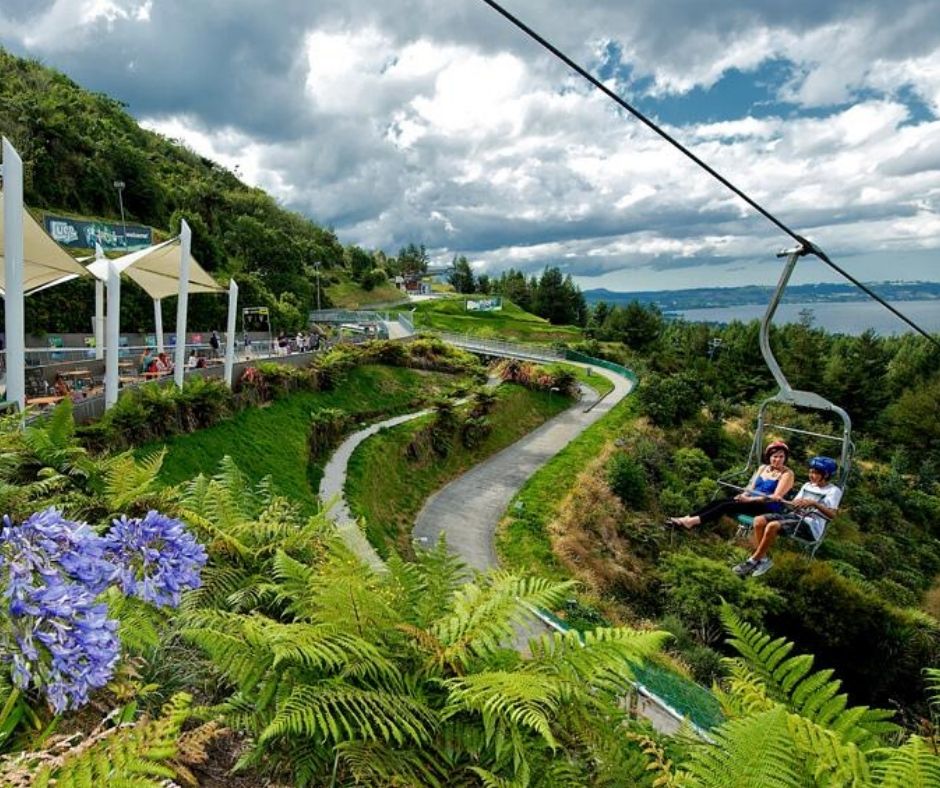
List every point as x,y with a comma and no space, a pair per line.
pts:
75,144
868,605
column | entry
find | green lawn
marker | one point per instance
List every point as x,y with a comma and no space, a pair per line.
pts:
272,440
388,488
510,323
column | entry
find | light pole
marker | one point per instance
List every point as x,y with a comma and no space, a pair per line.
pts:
119,185
316,266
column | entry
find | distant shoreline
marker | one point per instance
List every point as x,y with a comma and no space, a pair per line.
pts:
753,295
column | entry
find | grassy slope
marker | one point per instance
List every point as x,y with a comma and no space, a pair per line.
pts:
273,440
522,541
511,323
389,489
346,294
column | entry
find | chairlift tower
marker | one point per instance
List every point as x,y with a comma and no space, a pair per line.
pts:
119,185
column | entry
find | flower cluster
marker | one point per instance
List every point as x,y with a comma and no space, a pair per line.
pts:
56,636
157,558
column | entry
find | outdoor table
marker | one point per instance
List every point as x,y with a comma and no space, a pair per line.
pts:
52,399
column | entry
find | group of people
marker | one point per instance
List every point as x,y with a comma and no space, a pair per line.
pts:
764,499
155,363
301,343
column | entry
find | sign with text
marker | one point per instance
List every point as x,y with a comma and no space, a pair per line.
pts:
83,235
485,305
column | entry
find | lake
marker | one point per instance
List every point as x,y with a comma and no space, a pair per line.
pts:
853,317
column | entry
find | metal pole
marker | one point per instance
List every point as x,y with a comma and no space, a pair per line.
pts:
186,236
158,323
14,322
119,185
113,332
230,333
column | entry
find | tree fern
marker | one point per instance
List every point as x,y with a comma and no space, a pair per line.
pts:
377,763
813,695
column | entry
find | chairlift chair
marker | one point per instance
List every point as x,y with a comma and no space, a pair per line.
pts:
787,395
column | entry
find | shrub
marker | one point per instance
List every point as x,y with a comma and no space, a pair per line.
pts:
627,480
327,426
878,648
696,587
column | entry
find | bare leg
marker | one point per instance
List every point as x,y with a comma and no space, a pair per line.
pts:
757,533
767,541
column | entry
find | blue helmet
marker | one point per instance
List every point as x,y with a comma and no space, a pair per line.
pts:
825,465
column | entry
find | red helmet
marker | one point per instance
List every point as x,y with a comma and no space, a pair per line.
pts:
777,446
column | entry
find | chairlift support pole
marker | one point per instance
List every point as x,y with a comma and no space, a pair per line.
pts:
787,394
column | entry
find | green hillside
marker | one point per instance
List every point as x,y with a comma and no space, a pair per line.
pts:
511,323
75,144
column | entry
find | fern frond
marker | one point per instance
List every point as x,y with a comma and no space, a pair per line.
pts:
484,614
237,644
915,764
128,479
138,755
815,696
754,751
342,713
376,763
657,761
507,698
833,761
932,677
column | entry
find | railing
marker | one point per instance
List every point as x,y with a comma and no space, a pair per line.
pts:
405,321
629,374
494,347
347,316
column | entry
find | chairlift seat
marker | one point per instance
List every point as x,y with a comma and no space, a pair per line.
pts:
802,534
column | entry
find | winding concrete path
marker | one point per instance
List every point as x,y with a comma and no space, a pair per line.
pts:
468,509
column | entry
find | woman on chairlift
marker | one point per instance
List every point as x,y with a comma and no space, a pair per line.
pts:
764,492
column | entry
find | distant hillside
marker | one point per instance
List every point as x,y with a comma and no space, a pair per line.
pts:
75,144
704,297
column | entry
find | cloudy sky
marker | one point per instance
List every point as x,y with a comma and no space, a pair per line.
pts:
439,123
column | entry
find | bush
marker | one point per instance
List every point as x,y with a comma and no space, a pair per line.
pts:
696,587
669,400
878,649
327,426
627,480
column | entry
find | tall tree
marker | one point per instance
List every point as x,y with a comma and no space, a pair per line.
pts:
461,278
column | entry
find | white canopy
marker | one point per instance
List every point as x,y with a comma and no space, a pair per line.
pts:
157,270
44,261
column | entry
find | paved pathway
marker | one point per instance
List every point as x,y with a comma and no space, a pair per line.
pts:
468,509
331,491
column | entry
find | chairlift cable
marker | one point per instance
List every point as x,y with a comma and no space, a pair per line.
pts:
808,246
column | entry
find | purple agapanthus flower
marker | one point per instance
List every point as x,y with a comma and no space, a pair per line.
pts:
157,557
56,637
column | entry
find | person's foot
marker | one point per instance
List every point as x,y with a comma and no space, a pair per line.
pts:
681,522
745,568
763,566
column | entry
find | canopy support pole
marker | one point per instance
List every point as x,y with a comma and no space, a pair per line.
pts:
180,363
99,319
158,323
113,332
14,321
99,308
230,332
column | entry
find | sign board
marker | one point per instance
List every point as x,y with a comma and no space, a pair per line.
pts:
83,235
485,305
256,318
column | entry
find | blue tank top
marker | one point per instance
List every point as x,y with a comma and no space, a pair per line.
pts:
765,486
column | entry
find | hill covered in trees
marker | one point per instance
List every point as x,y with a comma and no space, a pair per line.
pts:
75,144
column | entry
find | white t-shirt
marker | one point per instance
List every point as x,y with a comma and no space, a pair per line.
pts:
828,495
